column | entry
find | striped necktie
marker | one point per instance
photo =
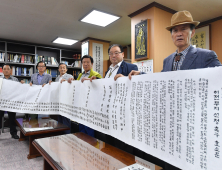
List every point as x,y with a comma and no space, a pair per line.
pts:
176,59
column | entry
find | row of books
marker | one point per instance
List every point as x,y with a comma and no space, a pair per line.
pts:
52,72
22,71
75,74
1,72
74,64
47,60
2,56
70,64
21,58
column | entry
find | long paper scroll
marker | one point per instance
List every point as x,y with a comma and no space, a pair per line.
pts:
174,116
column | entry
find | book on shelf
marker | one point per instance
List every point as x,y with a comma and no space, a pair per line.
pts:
76,73
11,58
47,59
22,71
52,72
25,59
53,61
38,58
22,59
19,71
1,72
2,56
77,63
30,71
17,58
74,64
25,71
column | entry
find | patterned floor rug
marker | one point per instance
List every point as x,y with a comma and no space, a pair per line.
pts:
13,155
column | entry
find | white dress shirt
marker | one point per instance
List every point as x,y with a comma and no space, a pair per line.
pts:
113,70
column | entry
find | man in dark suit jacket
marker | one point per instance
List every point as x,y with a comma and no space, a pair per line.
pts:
182,30
123,70
195,58
186,56
118,68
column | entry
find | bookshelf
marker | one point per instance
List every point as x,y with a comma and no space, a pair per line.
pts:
73,61
23,58
2,46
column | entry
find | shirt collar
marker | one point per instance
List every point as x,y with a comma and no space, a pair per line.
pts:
42,74
8,78
63,75
184,52
86,72
117,65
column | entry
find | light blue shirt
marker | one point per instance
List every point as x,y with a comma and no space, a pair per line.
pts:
39,77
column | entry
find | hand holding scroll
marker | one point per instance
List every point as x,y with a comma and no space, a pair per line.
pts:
92,78
117,76
84,78
62,80
132,73
70,80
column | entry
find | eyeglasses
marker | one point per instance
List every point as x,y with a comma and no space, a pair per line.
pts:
41,66
114,54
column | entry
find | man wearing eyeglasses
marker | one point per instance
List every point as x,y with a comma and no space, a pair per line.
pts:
40,78
118,68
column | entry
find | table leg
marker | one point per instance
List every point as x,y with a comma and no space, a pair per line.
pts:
47,166
33,152
22,136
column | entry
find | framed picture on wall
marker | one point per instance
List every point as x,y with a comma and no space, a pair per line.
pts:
141,40
201,39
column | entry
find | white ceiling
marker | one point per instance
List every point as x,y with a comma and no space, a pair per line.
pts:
41,21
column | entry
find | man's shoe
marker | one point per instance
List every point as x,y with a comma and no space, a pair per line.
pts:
15,136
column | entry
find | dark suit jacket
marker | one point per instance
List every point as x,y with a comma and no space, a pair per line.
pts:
125,68
195,58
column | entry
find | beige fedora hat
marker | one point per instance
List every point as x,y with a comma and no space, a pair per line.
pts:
182,17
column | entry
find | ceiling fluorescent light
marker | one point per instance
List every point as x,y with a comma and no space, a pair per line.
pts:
64,41
99,18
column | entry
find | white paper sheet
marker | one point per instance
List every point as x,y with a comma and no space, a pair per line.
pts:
174,116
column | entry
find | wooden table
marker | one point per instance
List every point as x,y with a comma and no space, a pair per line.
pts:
83,152
38,128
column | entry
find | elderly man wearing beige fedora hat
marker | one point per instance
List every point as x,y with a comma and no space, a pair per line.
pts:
186,57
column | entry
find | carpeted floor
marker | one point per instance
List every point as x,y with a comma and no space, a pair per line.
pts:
13,155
